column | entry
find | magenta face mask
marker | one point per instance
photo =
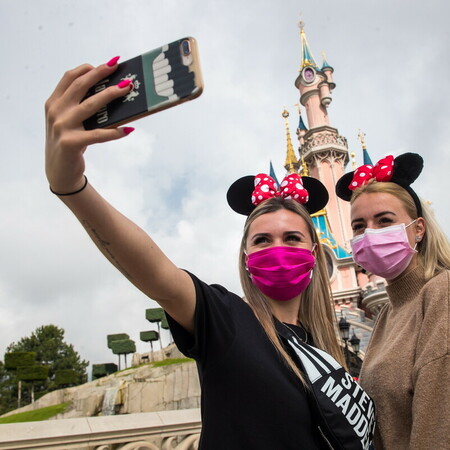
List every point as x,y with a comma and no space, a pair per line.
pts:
281,273
385,252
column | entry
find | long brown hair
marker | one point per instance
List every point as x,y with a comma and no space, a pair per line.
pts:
434,248
316,312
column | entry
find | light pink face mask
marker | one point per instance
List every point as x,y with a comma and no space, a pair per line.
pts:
384,252
281,273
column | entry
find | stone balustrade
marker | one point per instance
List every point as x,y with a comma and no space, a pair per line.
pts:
163,430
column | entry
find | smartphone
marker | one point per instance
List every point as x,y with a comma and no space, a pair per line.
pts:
162,78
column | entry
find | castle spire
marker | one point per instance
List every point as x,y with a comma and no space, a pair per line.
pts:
307,57
305,171
366,156
301,125
325,64
291,165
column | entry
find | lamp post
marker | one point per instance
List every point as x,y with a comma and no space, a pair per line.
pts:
344,330
354,342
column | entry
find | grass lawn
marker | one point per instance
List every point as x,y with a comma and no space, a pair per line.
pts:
36,415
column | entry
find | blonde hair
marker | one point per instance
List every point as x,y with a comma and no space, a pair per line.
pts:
316,312
434,248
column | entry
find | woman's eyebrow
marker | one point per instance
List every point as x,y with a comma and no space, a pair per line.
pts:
259,235
383,213
376,216
294,232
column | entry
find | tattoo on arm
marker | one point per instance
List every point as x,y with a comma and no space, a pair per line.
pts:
104,246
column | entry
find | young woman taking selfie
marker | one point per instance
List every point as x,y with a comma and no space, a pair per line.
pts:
255,392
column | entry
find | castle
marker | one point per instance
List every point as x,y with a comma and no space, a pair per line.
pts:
323,153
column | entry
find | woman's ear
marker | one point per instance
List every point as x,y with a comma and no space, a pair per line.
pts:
245,256
421,228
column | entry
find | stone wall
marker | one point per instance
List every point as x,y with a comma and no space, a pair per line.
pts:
134,390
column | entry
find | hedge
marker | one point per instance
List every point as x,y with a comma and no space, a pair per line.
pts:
116,337
154,314
15,360
101,370
123,347
147,336
165,323
66,376
32,373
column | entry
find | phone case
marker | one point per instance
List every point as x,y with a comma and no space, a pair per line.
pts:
162,78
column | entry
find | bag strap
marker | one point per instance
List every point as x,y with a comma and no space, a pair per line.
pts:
288,335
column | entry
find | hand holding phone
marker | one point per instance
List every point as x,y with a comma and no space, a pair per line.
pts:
164,77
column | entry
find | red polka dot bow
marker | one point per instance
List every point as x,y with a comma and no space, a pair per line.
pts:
291,188
381,171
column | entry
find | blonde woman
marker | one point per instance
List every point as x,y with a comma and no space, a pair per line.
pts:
406,369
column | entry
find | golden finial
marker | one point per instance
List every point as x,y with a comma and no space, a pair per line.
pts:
291,164
361,136
352,155
305,172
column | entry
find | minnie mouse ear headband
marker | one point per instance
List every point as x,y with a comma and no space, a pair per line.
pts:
246,193
403,170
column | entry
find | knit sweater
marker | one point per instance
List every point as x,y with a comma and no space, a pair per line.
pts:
406,369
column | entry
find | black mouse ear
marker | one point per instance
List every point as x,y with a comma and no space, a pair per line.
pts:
342,187
239,195
407,168
317,194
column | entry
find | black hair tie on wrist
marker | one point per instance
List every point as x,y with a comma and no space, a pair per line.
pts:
71,193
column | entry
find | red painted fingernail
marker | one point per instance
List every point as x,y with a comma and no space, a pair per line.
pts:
124,83
128,130
112,62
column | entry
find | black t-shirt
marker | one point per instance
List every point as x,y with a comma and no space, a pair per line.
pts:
250,398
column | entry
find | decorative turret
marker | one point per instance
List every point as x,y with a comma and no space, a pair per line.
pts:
366,157
291,165
301,129
315,85
328,71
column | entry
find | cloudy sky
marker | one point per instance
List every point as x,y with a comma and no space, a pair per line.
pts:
391,64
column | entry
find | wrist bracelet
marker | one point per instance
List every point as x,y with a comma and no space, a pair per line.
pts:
71,193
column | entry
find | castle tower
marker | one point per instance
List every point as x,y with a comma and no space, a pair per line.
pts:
323,154
323,149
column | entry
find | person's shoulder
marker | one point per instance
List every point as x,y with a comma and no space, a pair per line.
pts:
439,283
214,289
435,294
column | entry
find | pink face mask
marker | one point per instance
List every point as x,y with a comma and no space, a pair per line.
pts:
281,273
385,252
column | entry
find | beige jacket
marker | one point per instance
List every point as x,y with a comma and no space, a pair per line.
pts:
407,366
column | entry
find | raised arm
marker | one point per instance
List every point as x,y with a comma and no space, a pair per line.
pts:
125,245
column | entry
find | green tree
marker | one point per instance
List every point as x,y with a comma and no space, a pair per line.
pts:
149,336
8,390
18,360
47,342
123,347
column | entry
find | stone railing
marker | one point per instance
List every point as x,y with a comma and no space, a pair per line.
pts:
164,430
